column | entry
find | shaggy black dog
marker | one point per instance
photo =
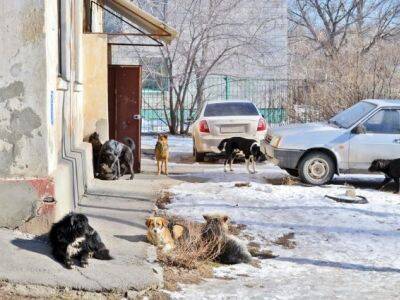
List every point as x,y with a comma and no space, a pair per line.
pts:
250,148
118,157
391,169
73,237
228,249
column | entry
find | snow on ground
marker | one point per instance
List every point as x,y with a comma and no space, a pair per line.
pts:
346,251
179,144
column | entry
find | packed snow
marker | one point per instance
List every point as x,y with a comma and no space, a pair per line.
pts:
342,250
176,143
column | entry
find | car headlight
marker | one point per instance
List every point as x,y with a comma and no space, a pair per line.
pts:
275,141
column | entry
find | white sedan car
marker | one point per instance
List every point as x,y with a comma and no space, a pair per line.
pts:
218,120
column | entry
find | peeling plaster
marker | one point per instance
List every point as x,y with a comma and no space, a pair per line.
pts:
15,89
15,69
32,28
24,122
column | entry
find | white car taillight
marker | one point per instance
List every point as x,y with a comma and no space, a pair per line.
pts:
262,125
203,127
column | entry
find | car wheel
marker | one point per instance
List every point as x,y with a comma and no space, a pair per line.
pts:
316,168
293,172
198,155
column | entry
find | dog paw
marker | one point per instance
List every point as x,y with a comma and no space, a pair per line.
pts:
84,264
68,266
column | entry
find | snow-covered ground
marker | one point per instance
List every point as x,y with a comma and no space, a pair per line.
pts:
177,144
346,251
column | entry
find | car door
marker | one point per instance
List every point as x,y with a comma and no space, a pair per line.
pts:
379,139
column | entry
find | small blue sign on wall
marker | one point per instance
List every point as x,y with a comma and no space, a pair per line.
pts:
52,107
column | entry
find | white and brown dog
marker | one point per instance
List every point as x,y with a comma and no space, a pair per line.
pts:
161,235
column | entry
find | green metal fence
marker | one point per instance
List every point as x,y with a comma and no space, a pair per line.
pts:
274,99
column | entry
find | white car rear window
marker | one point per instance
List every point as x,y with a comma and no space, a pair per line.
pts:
230,109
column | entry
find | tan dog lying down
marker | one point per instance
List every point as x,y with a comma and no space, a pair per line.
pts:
162,236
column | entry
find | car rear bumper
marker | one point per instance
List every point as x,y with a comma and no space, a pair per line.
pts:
209,144
284,158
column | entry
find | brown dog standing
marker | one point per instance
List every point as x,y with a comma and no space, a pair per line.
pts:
162,154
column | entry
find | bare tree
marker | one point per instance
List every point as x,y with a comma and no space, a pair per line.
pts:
331,24
210,33
346,50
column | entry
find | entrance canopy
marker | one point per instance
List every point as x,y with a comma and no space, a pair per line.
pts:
126,24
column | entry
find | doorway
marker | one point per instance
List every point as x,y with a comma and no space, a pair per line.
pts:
124,105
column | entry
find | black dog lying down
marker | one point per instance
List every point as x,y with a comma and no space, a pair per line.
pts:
391,169
250,148
118,157
73,237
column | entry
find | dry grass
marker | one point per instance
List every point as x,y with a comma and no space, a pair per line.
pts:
236,229
242,184
192,251
175,275
286,241
163,200
287,180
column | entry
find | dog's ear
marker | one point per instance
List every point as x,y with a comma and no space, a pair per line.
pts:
164,222
166,136
207,218
149,221
225,218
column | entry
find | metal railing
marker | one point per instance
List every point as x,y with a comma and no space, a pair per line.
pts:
280,101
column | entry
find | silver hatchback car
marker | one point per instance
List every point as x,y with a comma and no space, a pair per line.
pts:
347,143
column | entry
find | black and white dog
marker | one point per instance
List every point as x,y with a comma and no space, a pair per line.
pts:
118,157
73,237
249,147
391,169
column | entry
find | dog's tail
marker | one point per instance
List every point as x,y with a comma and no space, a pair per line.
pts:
102,253
222,145
130,143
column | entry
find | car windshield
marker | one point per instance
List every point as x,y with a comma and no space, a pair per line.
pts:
230,109
350,116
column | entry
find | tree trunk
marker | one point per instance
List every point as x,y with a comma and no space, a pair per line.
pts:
182,118
172,112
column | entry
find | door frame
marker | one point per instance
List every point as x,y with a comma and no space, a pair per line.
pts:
112,108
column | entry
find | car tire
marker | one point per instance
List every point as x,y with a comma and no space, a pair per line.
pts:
316,168
293,172
199,157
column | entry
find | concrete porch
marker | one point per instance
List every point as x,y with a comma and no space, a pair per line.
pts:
117,210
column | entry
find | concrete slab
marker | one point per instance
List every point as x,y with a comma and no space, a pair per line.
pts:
117,210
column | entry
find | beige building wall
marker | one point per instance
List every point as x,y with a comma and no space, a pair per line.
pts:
95,82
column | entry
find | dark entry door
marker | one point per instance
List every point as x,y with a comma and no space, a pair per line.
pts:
124,104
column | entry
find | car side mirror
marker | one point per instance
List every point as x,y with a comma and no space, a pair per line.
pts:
359,129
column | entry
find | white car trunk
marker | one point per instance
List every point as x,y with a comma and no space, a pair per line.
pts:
226,126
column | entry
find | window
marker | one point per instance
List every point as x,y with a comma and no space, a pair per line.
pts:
384,121
350,116
230,109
